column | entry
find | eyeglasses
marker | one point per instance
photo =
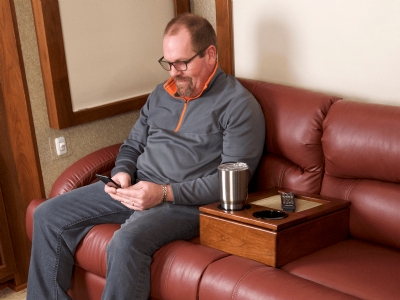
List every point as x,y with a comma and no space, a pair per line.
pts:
180,65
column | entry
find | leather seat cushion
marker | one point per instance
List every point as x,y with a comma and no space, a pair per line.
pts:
362,269
235,277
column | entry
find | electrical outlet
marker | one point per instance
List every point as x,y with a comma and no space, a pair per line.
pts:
61,145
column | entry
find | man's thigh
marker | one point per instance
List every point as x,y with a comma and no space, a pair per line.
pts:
88,205
160,225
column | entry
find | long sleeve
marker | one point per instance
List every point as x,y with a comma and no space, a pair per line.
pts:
243,130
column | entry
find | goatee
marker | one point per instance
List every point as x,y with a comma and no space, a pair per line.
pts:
184,85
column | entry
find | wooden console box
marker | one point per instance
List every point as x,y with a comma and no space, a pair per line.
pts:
275,242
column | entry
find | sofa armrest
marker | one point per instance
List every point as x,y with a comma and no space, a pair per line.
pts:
80,173
83,171
29,215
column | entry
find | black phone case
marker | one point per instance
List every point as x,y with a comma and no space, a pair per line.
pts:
108,181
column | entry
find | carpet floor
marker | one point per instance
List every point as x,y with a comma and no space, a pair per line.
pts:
9,294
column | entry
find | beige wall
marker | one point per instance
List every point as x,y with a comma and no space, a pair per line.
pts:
349,48
81,139
346,47
101,38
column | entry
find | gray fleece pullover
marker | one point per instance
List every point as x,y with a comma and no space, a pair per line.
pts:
225,124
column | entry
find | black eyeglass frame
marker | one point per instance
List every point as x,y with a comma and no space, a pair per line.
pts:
170,64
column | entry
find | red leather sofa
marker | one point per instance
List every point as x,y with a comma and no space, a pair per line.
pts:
316,144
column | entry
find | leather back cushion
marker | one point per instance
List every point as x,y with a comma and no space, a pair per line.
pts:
293,155
361,143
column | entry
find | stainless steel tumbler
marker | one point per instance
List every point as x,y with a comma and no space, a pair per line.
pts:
233,181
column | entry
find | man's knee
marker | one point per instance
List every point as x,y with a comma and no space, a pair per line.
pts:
124,242
43,211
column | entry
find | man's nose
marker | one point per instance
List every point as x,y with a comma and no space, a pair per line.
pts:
174,72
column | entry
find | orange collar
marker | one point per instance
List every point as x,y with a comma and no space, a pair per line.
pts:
171,88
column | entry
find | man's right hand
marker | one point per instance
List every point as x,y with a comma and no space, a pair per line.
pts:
122,178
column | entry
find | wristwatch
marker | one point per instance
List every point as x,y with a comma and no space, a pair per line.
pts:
164,193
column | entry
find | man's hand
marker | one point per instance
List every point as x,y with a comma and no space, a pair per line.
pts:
123,179
140,196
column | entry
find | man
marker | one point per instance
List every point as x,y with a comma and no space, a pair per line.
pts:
167,168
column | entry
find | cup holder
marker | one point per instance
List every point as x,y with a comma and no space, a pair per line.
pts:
270,214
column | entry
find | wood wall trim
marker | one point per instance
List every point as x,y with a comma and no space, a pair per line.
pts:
55,74
181,6
20,176
53,63
225,35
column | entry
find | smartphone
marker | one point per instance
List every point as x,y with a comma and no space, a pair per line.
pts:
108,181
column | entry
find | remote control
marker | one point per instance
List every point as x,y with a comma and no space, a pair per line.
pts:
288,203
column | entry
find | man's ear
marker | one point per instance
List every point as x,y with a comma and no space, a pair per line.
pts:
212,54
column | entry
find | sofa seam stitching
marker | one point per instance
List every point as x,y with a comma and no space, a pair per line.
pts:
350,189
171,260
283,174
235,290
